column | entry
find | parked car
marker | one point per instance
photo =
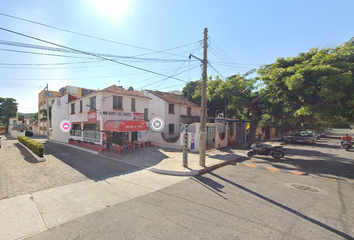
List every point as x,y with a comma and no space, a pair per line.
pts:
0,142
303,137
28,133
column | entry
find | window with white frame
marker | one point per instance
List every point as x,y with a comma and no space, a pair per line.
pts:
72,108
93,103
117,102
171,108
133,104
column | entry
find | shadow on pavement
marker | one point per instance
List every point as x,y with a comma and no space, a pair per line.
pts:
313,161
92,166
26,155
286,208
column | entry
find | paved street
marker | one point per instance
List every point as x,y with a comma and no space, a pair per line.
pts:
325,159
22,174
229,203
88,196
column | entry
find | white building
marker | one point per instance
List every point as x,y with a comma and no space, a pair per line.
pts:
175,110
13,122
114,113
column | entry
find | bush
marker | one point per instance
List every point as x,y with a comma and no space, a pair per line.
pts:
35,147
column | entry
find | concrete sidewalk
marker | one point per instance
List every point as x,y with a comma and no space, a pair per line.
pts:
33,212
170,161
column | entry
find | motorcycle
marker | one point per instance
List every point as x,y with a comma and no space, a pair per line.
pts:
266,149
347,144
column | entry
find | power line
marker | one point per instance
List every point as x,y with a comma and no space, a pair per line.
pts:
58,45
40,47
165,79
217,71
225,54
90,36
46,64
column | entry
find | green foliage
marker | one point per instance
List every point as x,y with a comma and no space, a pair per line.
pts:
311,89
44,118
35,147
8,109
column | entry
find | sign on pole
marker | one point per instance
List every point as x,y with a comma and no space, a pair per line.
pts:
185,146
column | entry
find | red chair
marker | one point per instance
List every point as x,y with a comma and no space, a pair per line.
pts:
129,144
118,148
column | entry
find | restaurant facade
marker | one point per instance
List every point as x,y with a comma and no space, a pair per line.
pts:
113,115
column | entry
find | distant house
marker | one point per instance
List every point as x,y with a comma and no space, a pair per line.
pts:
18,128
175,110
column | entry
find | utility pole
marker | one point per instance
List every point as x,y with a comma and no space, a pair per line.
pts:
47,106
202,140
202,135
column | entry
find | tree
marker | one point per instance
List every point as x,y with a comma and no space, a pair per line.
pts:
245,98
44,118
313,89
34,117
192,91
8,109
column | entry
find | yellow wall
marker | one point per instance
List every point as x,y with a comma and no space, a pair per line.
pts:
41,105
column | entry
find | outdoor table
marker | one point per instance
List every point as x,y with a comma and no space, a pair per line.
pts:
139,144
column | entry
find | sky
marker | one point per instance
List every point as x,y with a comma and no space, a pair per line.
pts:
146,43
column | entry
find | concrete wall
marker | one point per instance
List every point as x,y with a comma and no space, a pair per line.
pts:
59,113
16,133
220,143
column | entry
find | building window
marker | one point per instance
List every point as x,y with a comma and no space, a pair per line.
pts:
171,129
117,102
81,106
92,131
48,94
93,103
189,111
76,130
146,114
133,104
53,101
171,108
41,128
73,108
14,122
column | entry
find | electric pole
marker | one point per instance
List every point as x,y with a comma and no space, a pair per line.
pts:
203,115
47,107
202,140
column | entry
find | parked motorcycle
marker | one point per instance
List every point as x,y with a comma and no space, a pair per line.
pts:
266,149
347,144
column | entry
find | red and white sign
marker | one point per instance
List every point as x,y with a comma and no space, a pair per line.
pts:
139,116
92,116
124,126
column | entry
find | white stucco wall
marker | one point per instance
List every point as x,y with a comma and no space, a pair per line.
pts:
16,133
59,113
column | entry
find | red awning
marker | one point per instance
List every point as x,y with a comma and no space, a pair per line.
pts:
124,126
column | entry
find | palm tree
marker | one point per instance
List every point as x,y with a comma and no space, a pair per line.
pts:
44,118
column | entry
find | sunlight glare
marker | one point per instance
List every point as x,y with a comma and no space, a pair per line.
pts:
114,9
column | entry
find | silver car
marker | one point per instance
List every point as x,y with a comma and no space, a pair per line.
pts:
303,137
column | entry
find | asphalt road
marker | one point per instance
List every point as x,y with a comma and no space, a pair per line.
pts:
233,202
325,159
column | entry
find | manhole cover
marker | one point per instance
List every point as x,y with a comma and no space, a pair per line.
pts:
303,187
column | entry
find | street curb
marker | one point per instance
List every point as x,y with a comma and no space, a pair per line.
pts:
174,172
273,169
38,158
73,146
194,172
